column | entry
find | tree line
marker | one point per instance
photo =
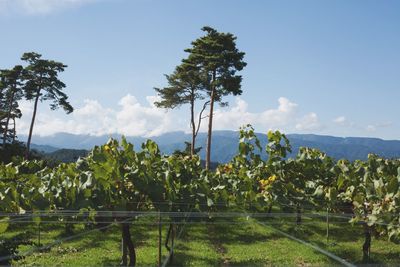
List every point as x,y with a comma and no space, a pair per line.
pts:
36,81
203,78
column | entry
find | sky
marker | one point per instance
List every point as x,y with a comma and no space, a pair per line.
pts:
322,67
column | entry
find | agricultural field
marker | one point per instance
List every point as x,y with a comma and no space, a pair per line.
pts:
160,163
106,208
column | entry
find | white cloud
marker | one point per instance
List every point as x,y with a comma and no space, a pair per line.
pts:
130,118
281,116
375,127
344,122
38,6
238,115
340,120
285,117
133,118
136,119
371,128
309,122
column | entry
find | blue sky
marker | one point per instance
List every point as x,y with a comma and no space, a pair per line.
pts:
324,67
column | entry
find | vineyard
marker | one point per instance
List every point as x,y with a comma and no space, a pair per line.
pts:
169,205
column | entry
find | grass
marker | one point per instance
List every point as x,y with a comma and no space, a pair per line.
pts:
345,240
218,242
93,247
242,242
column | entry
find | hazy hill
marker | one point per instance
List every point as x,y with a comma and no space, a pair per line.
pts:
44,148
66,155
225,144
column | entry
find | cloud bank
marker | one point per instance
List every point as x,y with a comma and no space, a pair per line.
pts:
283,117
133,118
343,122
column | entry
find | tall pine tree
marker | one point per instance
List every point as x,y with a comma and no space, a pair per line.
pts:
215,55
12,92
185,86
42,83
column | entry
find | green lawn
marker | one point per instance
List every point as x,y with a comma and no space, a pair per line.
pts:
93,247
242,243
218,242
345,240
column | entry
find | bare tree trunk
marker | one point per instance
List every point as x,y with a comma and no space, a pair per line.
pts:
269,209
172,244
210,119
15,130
124,261
170,236
127,246
28,144
193,145
8,118
367,243
298,214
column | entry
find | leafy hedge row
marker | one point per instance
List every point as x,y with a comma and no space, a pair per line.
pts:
115,177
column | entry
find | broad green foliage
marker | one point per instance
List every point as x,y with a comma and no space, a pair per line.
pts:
116,177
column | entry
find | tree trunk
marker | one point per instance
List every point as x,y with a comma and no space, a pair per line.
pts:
168,236
124,260
69,228
127,246
159,239
8,118
367,243
28,144
192,148
15,130
269,209
210,119
298,215
172,244
327,226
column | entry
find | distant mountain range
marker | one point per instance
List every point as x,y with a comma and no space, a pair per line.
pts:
225,143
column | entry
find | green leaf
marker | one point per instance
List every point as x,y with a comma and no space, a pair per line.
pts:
36,219
242,149
210,202
340,181
99,157
4,225
372,219
393,185
87,193
332,194
319,191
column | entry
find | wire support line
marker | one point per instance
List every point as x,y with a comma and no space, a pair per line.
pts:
63,216
320,204
174,214
180,223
